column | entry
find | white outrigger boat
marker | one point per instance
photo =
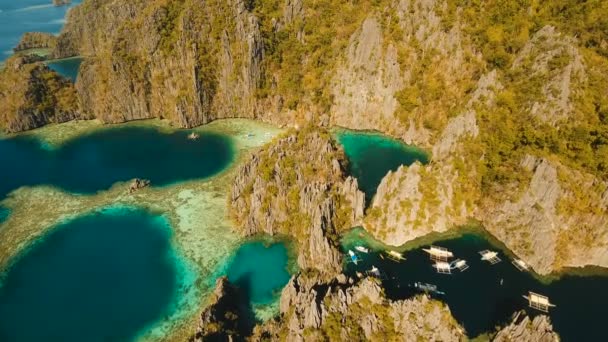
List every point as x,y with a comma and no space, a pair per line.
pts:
442,267
520,265
362,249
395,256
193,136
490,256
538,301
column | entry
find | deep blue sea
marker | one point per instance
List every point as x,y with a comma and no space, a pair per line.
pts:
485,295
101,277
18,17
94,162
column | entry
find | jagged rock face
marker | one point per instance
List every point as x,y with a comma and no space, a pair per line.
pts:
414,201
340,310
554,223
184,60
36,40
226,316
32,95
524,329
554,58
364,87
297,187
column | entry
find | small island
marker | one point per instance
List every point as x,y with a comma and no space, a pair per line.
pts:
61,2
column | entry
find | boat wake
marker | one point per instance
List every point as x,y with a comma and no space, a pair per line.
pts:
34,8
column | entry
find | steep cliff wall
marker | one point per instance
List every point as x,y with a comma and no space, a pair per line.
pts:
297,187
188,61
32,95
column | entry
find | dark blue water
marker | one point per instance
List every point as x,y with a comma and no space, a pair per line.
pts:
101,277
96,161
18,17
4,212
479,302
67,67
260,270
372,155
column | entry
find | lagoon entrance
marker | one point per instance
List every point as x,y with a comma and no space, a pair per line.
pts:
485,295
371,156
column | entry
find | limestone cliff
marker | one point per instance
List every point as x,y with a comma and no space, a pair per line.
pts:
32,95
188,61
36,40
297,187
524,329
342,310
227,316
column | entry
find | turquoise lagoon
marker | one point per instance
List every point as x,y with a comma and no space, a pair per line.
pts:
96,161
372,155
104,276
67,67
260,270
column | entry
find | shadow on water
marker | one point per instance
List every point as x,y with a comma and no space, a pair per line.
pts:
94,162
101,277
372,155
485,296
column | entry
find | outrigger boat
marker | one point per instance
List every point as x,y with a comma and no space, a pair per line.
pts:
520,265
438,253
193,136
490,256
375,272
353,257
538,301
395,256
427,288
442,267
362,249
459,264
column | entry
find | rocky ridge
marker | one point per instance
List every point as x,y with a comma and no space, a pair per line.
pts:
36,40
524,329
226,316
341,309
297,187
33,95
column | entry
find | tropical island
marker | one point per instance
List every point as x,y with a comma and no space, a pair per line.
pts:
238,125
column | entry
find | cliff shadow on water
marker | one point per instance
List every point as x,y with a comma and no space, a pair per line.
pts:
485,296
96,161
372,155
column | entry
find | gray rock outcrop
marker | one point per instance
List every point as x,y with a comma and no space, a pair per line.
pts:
298,187
341,310
524,329
36,40
32,95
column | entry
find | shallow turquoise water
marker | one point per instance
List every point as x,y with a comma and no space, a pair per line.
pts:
66,67
260,271
101,277
18,17
96,161
479,301
372,155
